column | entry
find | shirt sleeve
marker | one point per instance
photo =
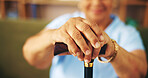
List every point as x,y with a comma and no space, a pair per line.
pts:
58,22
131,39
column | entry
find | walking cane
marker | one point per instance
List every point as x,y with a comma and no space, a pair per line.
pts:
88,67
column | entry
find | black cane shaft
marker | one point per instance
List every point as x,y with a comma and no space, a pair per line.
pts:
88,72
88,69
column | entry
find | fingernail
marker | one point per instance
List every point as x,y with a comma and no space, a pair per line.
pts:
80,59
74,54
87,61
97,45
87,52
78,53
93,57
102,38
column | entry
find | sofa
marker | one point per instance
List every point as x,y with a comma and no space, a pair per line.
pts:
13,34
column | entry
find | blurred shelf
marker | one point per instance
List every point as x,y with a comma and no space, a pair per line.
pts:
19,1
146,16
10,0
21,8
53,2
125,3
122,11
49,2
137,2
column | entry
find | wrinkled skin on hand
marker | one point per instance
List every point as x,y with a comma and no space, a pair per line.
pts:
84,39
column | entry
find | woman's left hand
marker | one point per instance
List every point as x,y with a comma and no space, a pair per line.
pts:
109,50
104,39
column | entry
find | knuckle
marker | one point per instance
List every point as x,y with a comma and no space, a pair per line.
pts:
60,31
68,40
71,20
85,28
70,52
84,48
93,39
76,35
62,35
95,53
98,33
80,56
75,49
78,18
88,58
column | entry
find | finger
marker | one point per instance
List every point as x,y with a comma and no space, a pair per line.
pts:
96,53
72,53
89,34
73,49
79,40
80,56
101,37
96,29
104,39
108,49
87,58
103,43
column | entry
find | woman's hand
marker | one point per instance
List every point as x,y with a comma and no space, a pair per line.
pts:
110,46
104,39
76,32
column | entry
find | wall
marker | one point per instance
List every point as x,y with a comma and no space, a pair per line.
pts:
49,12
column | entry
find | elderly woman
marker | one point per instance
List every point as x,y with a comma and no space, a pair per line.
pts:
126,55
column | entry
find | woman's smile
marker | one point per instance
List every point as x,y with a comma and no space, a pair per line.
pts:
97,11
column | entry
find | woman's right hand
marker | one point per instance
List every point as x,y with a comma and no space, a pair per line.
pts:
74,32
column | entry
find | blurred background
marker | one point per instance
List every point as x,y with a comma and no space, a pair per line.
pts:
20,19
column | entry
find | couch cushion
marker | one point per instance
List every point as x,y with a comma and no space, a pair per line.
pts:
13,34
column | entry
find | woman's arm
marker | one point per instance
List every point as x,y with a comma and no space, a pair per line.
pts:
130,64
38,49
126,64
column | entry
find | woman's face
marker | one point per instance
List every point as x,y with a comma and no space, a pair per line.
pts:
96,10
